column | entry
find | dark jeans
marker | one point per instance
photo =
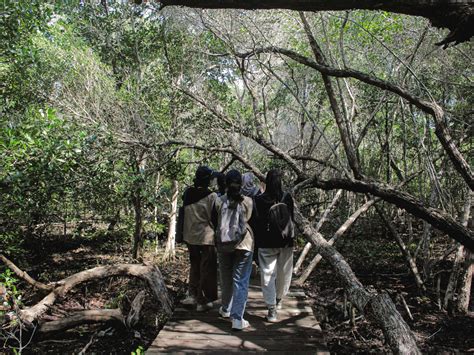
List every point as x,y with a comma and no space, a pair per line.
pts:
203,273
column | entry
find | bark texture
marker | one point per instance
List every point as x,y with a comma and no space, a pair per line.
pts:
323,219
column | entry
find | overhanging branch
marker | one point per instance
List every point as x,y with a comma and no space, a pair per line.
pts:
435,217
457,16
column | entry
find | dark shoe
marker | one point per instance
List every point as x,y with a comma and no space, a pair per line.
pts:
272,314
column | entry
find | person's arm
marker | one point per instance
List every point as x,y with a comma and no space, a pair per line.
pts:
214,214
184,197
253,221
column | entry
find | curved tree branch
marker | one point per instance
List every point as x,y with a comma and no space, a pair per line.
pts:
236,155
149,273
435,217
431,108
24,275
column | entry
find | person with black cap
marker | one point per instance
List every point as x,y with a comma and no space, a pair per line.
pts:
198,233
234,242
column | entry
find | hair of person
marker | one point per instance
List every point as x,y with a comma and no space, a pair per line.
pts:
203,176
220,177
273,184
233,181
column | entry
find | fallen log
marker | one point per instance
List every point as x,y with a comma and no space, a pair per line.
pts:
91,316
149,273
83,317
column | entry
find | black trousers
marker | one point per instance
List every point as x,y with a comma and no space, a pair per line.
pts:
203,273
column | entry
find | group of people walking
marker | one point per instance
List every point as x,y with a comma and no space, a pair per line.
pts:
230,228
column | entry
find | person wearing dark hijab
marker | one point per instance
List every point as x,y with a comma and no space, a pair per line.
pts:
275,253
198,233
248,185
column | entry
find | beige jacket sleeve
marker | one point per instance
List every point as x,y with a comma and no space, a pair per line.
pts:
198,229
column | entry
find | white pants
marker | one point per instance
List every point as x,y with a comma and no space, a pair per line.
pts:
276,268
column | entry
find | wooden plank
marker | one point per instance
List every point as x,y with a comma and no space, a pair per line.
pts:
233,344
298,330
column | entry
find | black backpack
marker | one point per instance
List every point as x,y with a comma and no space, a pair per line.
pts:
280,221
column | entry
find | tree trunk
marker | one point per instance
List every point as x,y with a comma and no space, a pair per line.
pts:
403,248
464,292
89,316
137,232
342,229
170,250
349,148
97,316
157,188
323,219
379,307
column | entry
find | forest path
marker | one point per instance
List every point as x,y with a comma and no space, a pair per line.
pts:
297,331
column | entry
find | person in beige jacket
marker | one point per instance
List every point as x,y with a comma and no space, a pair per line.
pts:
198,233
235,257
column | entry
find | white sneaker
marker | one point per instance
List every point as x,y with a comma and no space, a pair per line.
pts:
189,301
204,307
238,324
224,314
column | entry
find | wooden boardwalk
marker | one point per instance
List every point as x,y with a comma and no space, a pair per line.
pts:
297,331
